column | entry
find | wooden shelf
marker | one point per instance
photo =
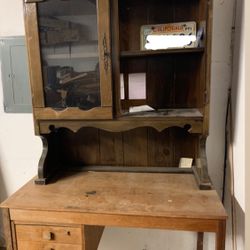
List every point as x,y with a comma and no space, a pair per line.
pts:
189,119
166,113
142,53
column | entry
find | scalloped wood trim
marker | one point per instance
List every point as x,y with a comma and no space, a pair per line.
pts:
73,113
42,162
201,167
122,125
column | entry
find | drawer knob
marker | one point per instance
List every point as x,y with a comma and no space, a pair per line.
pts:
48,236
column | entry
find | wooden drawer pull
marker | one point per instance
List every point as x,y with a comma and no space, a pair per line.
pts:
48,236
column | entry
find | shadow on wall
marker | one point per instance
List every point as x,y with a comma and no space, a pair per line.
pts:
3,196
237,65
235,225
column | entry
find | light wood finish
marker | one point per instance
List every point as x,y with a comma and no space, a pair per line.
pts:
7,228
148,195
33,46
30,245
104,39
13,231
64,235
95,200
35,69
73,113
179,223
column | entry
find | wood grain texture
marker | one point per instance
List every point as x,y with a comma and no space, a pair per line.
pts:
33,46
130,194
104,38
124,124
73,113
183,224
135,147
64,235
111,148
14,239
201,166
31,245
221,236
160,148
140,147
92,237
7,229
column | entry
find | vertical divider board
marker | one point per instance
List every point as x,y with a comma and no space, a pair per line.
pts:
104,38
33,46
115,38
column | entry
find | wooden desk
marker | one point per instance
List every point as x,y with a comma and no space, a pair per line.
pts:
72,212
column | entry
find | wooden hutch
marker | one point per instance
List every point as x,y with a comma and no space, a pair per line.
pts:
107,109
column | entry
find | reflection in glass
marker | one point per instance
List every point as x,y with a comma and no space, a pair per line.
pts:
69,48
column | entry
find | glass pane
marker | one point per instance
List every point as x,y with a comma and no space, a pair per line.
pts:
69,49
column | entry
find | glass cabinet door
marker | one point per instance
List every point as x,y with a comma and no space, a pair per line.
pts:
68,34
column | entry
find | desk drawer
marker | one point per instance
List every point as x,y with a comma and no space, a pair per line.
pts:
55,234
29,245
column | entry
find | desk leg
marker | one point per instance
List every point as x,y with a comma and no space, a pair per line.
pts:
92,236
200,237
221,235
7,229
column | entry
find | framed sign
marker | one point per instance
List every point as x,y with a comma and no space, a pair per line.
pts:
168,36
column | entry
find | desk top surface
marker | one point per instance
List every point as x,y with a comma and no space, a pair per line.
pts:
158,195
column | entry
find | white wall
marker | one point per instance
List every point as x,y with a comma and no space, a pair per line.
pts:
238,106
20,150
247,115
220,82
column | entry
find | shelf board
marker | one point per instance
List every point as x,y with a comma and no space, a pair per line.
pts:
142,53
159,120
165,113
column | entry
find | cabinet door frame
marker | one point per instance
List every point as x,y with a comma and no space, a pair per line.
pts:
40,111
